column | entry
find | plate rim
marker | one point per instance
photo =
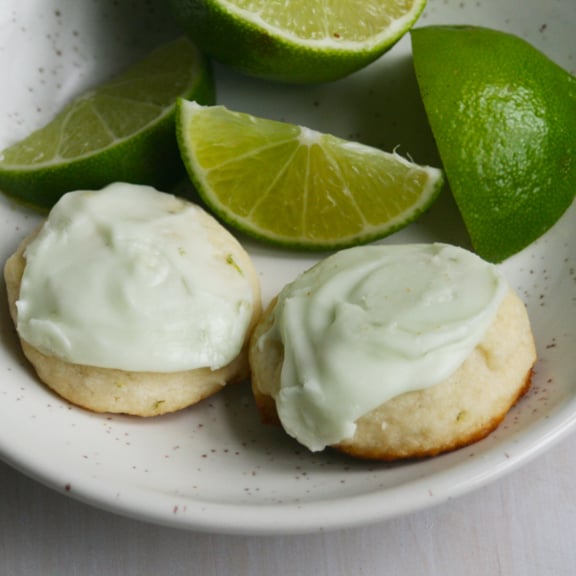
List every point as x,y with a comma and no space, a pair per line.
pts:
319,516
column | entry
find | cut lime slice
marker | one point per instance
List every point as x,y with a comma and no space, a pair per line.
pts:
297,41
120,131
293,186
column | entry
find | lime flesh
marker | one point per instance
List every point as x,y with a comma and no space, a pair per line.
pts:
293,186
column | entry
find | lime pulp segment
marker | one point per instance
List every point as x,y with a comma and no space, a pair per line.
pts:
334,23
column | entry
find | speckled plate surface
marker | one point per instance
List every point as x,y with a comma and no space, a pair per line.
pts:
214,467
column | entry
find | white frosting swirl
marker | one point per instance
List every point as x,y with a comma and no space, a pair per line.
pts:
370,323
134,279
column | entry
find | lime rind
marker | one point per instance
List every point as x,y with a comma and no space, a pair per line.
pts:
504,117
314,222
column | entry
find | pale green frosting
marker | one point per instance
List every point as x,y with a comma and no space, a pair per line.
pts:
370,323
134,279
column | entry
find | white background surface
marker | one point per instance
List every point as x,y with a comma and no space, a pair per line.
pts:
521,525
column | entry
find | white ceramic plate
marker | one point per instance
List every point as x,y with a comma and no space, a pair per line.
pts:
215,467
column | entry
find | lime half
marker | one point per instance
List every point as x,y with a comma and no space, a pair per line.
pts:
297,41
120,131
293,186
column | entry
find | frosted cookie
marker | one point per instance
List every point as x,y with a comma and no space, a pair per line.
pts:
388,352
134,301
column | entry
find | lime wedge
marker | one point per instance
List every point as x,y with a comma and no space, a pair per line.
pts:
297,41
293,186
120,131
504,117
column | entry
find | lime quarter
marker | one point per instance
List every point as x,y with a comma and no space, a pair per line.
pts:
119,131
504,118
293,186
